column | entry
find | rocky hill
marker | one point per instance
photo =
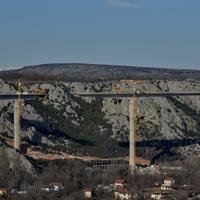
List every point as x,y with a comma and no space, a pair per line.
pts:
92,72
16,159
99,127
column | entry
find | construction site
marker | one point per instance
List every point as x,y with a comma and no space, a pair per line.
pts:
131,160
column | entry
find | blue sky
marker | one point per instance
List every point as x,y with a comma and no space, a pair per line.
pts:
151,33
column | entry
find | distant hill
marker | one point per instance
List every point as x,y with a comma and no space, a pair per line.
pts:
94,72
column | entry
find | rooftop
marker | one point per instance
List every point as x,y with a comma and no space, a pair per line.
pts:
87,189
169,178
122,181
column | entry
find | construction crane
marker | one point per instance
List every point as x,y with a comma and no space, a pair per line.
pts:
133,96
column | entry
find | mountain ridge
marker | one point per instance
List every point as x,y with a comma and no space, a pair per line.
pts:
80,72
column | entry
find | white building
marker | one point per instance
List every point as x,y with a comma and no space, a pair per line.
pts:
122,194
119,183
159,194
53,187
22,192
87,193
47,189
168,183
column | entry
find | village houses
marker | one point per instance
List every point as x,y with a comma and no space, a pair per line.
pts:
163,191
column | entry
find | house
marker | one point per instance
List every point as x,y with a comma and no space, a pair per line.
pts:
122,194
168,183
3,191
53,187
56,186
119,183
22,192
159,194
165,187
87,193
142,162
47,189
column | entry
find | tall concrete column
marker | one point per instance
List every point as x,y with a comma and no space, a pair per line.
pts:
17,123
132,136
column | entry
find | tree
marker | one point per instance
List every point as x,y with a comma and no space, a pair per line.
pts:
4,169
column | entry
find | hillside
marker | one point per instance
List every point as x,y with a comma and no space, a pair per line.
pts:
167,127
93,72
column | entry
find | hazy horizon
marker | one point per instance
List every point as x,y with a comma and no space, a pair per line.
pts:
155,33
20,67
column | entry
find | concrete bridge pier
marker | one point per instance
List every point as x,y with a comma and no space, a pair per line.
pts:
132,139
17,123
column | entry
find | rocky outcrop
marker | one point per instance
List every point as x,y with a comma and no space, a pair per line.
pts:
16,159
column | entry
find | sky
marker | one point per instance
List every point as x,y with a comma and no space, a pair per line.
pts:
149,33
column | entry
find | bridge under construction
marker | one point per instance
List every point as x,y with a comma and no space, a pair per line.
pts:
133,96
132,160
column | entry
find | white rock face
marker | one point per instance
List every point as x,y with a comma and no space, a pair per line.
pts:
158,114
29,113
